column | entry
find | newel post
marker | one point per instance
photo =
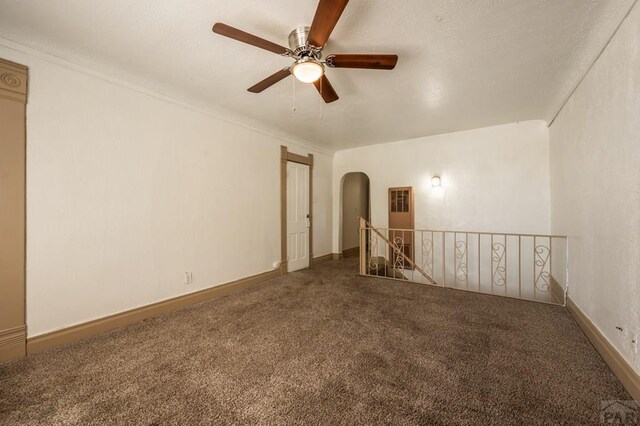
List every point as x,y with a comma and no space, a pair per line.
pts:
363,246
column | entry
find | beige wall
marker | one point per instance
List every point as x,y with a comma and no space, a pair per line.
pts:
595,181
493,179
128,190
355,204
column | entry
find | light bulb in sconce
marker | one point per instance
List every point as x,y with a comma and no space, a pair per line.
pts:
436,182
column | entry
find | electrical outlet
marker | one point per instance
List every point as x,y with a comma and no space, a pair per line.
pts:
188,277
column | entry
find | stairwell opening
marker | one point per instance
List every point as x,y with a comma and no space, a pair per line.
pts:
355,203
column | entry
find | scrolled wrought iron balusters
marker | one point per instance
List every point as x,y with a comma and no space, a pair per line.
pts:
427,254
398,261
460,261
466,259
496,255
433,267
404,266
498,264
444,259
541,263
519,266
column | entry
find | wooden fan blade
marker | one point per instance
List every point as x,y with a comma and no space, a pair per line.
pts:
270,81
326,89
236,34
325,20
373,62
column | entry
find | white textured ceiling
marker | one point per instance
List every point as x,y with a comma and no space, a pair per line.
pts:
463,63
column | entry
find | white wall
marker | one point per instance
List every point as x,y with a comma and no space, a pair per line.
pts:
355,204
493,179
127,191
595,181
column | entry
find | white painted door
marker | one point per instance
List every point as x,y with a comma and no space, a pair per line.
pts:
298,222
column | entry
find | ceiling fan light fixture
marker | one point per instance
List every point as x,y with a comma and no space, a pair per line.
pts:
305,48
307,70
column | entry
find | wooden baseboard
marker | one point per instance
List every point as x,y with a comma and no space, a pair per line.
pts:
91,328
557,291
620,367
337,256
322,259
12,344
353,251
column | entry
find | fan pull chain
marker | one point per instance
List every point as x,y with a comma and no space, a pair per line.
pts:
322,98
293,96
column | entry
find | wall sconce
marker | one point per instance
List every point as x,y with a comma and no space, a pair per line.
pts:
436,181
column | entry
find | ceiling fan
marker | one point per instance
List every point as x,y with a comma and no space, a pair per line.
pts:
305,47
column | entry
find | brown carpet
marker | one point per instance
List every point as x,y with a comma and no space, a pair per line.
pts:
323,346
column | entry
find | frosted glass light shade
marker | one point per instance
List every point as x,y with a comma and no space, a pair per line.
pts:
307,71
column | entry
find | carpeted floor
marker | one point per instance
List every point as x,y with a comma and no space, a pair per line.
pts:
323,346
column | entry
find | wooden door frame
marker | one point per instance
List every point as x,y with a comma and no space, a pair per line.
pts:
13,328
286,156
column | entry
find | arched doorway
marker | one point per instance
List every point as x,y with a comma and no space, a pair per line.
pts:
355,203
